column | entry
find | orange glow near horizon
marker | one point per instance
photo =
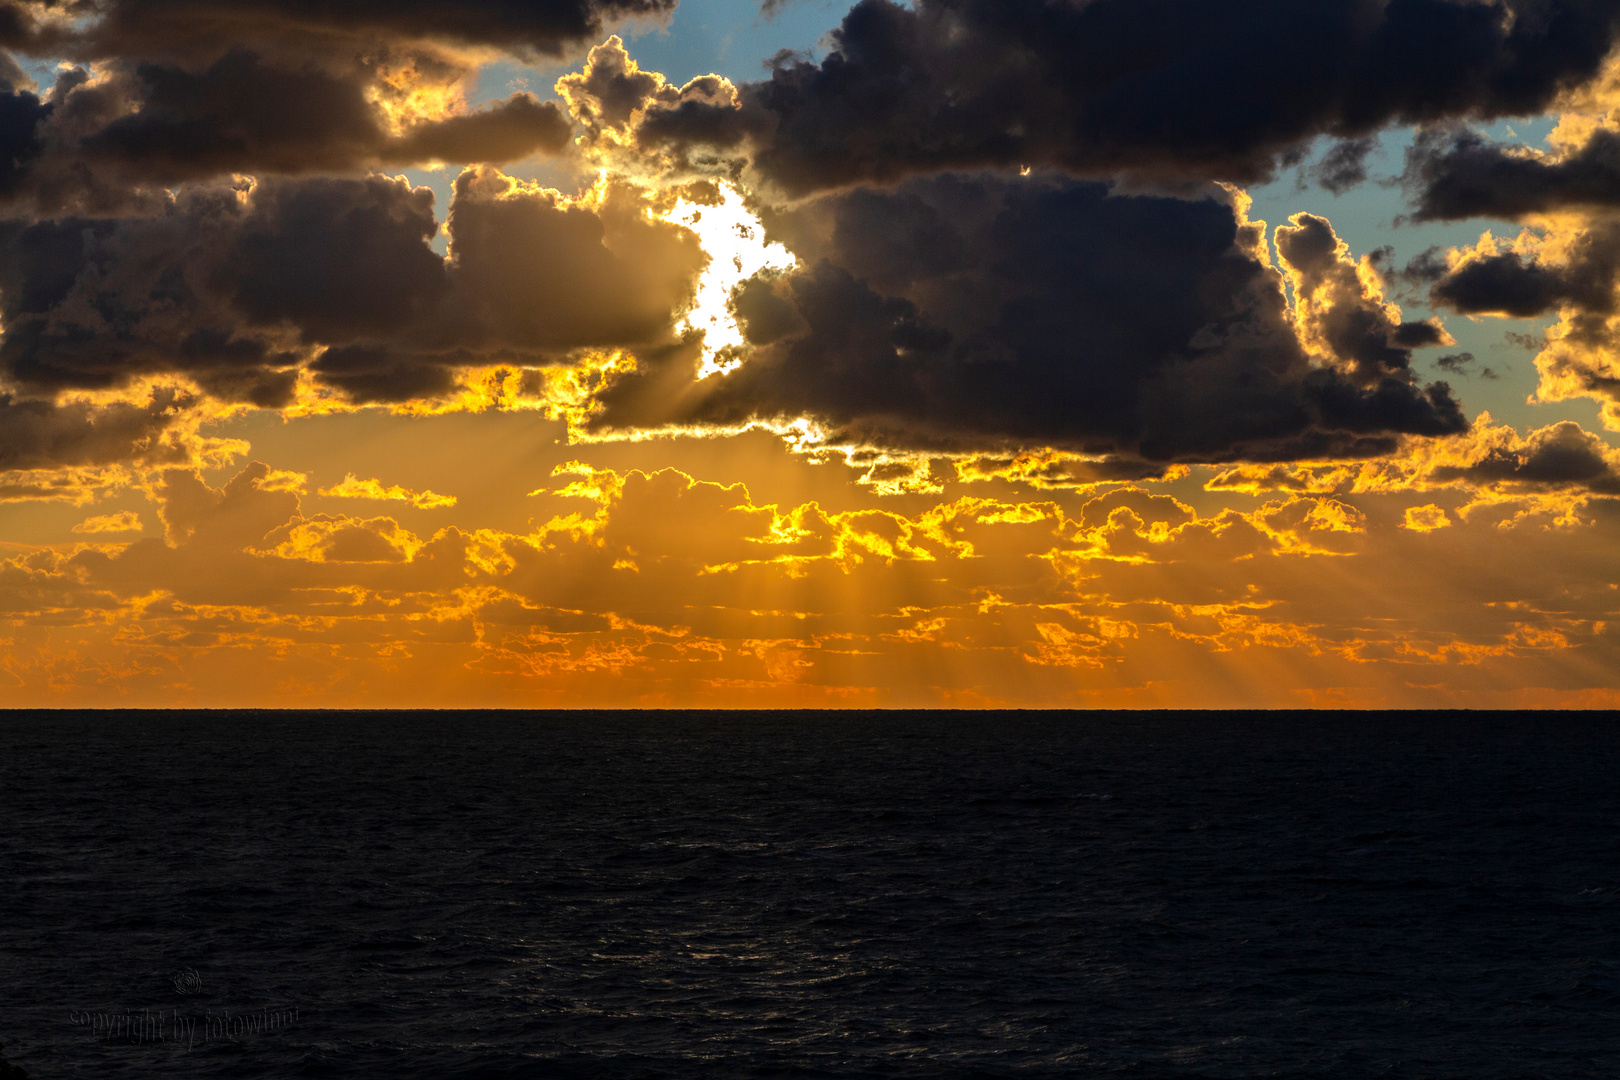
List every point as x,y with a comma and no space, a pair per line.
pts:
519,480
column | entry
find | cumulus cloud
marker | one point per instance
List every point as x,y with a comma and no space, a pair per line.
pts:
121,27
1571,267
532,269
1494,462
976,312
1455,175
353,487
111,143
37,434
1561,454
179,90
1494,280
656,587
250,113
122,522
1136,321
1168,88
240,287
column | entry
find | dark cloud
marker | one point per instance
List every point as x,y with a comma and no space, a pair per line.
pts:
1344,165
42,435
379,373
1506,283
1338,313
529,269
1168,88
21,114
1560,455
246,112
1460,174
338,259
185,90
155,27
238,286
632,111
204,288
1460,363
975,312
242,113
517,127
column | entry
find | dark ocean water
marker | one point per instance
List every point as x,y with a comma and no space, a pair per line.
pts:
748,894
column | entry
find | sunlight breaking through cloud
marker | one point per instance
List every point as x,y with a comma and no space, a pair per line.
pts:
735,241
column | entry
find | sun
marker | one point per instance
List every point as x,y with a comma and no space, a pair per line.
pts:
734,240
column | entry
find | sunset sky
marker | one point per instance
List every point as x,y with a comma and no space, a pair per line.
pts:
1035,353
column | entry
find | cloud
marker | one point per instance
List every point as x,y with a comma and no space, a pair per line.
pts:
1339,305
95,303
1459,363
731,594
350,487
1180,89
1490,461
1344,165
238,515
1498,282
123,521
515,128
1558,455
1454,175
1425,518
122,27
240,287
1568,266
180,90
109,142
21,114
338,259
323,538
530,268
41,435
636,120
977,313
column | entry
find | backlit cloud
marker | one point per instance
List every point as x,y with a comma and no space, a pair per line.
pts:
969,358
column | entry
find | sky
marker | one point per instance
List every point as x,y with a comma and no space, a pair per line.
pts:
958,353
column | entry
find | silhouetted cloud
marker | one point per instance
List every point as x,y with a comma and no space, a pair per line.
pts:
163,124
1558,455
1344,165
1508,283
977,312
41,435
1461,174
1165,88
181,90
125,27
237,286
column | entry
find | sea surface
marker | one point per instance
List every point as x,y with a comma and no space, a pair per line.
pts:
713,894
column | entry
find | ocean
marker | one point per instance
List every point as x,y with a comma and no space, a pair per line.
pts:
863,894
